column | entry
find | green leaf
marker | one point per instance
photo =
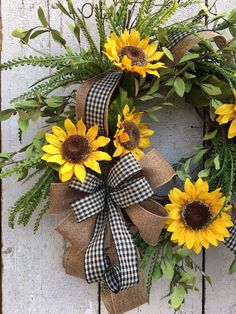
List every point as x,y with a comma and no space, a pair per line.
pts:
199,155
210,135
19,33
157,272
38,32
23,124
177,297
22,114
189,278
182,175
27,104
211,89
168,53
188,57
232,268
183,251
154,87
204,173
187,165
146,97
56,35
217,162
6,114
34,114
167,269
42,17
54,101
179,86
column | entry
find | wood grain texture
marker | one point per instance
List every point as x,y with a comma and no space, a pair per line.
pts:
33,278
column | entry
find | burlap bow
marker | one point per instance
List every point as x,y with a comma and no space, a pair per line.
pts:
122,189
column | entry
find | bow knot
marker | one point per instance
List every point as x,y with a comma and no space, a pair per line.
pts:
123,188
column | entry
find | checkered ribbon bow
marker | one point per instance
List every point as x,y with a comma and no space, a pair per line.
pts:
123,188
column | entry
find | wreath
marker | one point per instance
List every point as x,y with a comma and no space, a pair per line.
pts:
90,155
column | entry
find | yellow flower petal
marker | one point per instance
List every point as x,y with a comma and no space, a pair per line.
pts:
50,149
80,172
92,164
66,167
58,159
100,156
118,151
52,139
189,239
101,141
59,133
92,133
70,127
81,128
232,129
66,176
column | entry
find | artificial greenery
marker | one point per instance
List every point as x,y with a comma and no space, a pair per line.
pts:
205,77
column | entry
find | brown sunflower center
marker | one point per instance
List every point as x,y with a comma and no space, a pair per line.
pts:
196,215
135,54
134,135
76,148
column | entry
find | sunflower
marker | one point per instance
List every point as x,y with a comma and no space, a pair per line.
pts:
132,135
129,52
191,216
227,113
75,149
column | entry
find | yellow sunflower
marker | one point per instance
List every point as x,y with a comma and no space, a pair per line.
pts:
227,113
130,52
75,149
191,214
132,135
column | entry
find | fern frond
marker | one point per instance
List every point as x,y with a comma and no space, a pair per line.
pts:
40,216
41,61
100,25
20,166
27,203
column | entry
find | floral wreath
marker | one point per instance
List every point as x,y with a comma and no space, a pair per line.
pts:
91,160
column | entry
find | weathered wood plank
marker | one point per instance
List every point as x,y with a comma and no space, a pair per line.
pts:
221,298
33,277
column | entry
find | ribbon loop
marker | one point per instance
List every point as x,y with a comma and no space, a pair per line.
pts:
124,169
89,205
133,192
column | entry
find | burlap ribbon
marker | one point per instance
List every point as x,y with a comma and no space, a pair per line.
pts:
179,43
149,217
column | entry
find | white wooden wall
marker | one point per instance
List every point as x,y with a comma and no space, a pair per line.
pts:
34,281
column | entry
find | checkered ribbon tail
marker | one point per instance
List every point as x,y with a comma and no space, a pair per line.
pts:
97,98
123,188
231,241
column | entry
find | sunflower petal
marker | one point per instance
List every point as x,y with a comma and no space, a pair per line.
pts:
66,176
70,127
58,159
101,141
52,139
100,156
50,149
59,133
232,129
80,172
92,133
92,164
66,167
81,128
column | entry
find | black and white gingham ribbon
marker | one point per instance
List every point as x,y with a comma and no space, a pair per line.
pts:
176,37
122,189
96,101
231,241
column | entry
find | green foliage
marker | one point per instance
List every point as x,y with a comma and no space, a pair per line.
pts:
31,200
